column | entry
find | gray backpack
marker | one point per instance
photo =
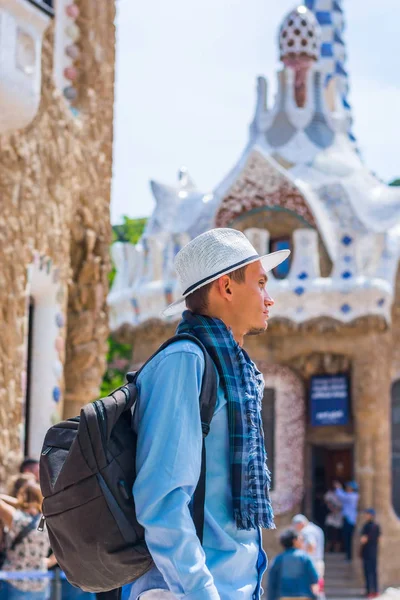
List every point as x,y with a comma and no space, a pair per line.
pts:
87,469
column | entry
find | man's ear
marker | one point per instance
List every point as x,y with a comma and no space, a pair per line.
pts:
225,287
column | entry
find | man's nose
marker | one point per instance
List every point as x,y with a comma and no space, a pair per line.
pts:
268,301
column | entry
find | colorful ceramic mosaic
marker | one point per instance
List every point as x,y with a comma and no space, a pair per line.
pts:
300,159
261,185
290,421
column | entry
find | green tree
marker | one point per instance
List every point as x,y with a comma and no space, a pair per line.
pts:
118,361
119,355
395,182
131,231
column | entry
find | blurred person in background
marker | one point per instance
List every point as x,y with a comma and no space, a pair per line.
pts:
292,573
313,542
15,485
349,499
370,536
333,522
27,548
30,465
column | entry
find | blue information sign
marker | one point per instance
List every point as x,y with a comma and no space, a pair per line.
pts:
329,399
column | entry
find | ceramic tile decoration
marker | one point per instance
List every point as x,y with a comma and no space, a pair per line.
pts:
300,160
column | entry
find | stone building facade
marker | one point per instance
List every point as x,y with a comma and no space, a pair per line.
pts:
300,183
55,173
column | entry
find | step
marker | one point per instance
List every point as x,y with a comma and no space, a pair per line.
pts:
330,578
353,583
339,565
341,581
348,591
330,596
349,594
339,575
356,597
344,584
344,592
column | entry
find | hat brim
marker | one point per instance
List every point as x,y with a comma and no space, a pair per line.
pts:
268,261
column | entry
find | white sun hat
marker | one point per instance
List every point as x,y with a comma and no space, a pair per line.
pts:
211,255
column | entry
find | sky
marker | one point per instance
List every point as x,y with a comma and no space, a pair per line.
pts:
186,79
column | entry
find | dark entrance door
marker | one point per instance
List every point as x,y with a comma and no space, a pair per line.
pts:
329,464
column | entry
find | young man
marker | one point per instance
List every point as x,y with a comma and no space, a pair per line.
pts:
224,287
370,535
349,499
292,574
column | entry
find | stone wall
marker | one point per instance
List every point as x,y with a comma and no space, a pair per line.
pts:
55,192
91,232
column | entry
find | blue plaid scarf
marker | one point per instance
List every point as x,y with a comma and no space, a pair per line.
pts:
243,385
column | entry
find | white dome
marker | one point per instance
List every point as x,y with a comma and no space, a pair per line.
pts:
300,34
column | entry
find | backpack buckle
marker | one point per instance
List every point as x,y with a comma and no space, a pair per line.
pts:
131,376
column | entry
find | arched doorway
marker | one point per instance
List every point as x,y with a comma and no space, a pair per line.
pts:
329,444
44,354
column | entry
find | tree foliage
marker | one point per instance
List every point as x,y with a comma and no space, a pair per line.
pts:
118,360
129,231
119,355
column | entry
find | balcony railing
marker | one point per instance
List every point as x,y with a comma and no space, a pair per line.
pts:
46,6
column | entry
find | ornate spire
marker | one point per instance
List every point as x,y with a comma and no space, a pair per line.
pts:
329,14
299,45
300,35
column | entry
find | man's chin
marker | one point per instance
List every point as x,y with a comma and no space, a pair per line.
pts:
257,330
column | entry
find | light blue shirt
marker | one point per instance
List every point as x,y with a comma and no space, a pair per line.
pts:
231,562
349,502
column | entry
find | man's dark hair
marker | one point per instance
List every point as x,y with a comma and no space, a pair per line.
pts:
288,538
27,463
197,302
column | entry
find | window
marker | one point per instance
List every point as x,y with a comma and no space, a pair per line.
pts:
268,419
396,446
46,5
283,243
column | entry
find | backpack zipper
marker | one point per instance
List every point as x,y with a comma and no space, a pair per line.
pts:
40,527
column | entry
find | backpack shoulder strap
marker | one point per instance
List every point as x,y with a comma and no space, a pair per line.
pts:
208,394
208,400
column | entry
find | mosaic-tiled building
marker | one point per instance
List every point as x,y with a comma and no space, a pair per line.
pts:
56,131
330,357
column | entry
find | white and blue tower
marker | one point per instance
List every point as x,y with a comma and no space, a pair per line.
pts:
332,60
